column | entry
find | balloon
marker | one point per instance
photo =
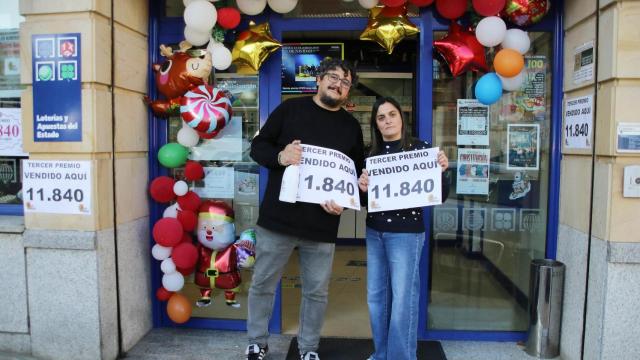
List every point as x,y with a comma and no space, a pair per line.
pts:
186,238
206,109
251,7
508,62
461,50
188,219
163,294
254,46
246,250
451,9
173,281
421,3
393,3
513,83
167,232
200,16
187,136
161,189
193,171
517,40
526,12
196,37
185,255
228,18
282,6
388,26
190,201
160,252
171,211
488,89
180,188
488,7
167,266
187,2
491,31
368,4
172,155
187,272
221,58
179,308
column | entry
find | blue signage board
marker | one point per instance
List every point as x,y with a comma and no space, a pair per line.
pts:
57,98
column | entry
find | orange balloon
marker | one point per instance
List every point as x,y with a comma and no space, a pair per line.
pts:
179,308
508,62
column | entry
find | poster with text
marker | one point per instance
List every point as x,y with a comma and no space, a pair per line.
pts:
473,122
473,171
218,183
301,63
578,122
244,90
227,145
583,64
523,150
11,132
531,96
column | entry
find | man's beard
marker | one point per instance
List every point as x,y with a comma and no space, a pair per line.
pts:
329,101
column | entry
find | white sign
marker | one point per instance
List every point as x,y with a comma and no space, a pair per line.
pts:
629,137
473,123
327,174
404,180
59,187
578,122
583,63
227,145
11,132
473,171
218,183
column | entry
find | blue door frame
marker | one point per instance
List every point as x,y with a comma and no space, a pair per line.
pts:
169,30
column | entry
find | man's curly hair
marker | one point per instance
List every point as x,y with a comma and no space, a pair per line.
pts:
332,64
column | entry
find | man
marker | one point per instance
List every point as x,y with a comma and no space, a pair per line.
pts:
316,120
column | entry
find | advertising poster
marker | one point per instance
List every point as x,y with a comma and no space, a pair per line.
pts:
628,137
227,145
300,64
531,97
244,90
473,171
523,151
578,122
473,123
246,183
9,60
583,63
11,132
217,183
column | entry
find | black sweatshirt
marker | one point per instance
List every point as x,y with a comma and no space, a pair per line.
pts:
405,220
302,119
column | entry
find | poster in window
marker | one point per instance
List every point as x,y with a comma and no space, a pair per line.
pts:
218,183
472,122
11,132
473,171
523,150
244,90
227,145
531,97
301,62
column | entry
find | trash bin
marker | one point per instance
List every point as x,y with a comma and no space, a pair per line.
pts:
546,287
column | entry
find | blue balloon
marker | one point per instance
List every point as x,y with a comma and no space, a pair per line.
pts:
489,89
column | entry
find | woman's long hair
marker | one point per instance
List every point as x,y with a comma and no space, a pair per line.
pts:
376,136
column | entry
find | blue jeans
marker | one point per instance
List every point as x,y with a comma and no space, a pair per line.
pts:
393,291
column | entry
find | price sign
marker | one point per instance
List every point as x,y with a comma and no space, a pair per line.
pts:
404,180
60,187
327,174
11,132
578,122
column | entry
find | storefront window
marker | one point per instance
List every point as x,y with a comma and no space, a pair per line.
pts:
494,222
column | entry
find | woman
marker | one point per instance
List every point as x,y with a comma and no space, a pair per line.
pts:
394,244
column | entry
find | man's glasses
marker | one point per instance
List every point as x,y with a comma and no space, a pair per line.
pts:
334,78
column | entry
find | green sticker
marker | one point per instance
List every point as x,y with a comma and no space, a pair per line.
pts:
45,72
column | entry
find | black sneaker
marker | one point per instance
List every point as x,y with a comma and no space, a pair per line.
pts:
310,355
256,352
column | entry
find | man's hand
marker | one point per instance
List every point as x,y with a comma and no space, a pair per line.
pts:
292,154
443,160
363,181
332,208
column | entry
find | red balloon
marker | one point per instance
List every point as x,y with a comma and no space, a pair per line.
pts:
186,272
185,255
421,3
186,238
161,189
189,201
188,219
167,232
163,294
526,12
206,109
228,18
451,9
461,50
392,3
488,7
193,171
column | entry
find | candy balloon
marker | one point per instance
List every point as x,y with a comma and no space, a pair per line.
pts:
200,16
526,12
251,7
393,3
388,26
282,6
451,9
368,4
188,219
167,266
253,46
508,62
228,18
185,255
180,188
488,7
190,201
488,89
163,294
187,136
161,189
206,109
491,31
173,281
193,171
179,308
513,83
172,155
421,3
461,50
517,40
167,232
160,252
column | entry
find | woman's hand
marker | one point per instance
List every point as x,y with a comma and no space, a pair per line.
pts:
332,208
292,154
363,181
443,160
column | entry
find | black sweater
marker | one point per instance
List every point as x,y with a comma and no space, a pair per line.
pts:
301,119
404,220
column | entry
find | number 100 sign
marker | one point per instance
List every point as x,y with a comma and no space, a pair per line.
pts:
404,180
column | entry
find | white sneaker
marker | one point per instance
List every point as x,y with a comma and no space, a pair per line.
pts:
310,355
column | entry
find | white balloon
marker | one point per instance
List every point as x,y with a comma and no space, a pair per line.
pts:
173,281
368,4
160,252
513,83
251,7
167,266
201,16
282,6
196,37
180,188
188,137
517,40
213,45
491,31
221,58
171,211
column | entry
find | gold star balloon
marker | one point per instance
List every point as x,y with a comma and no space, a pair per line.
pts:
388,26
253,46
